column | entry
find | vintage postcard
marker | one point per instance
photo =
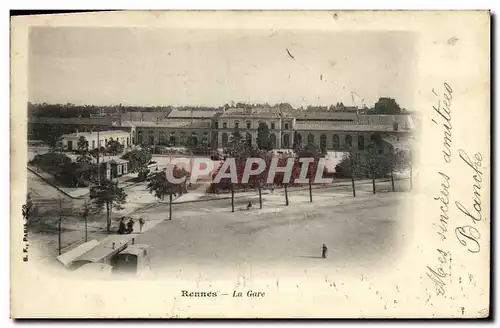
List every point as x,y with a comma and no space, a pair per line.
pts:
251,164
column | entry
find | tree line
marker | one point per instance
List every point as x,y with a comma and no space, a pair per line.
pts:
385,105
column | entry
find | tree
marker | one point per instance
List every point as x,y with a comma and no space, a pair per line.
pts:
263,141
139,160
387,106
297,141
160,186
84,156
399,160
95,153
310,151
236,137
191,143
82,145
371,163
114,147
108,195
57,146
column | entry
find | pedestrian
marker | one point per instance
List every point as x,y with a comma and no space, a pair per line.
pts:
324,251
121,226
130,226
249,205
141,224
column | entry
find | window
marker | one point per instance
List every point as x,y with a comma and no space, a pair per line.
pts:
286,126
172,139
310,138
162,138
273,126
361,142
286,141
128,141
236,124
336,142
249,139
249,125
322,142
93,144
272,138
224,139
348,141
183,138
216,125
224,125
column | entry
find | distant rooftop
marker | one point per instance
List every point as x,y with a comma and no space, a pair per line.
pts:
89,134
176,113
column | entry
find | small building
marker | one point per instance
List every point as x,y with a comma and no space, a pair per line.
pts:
95,139
118,167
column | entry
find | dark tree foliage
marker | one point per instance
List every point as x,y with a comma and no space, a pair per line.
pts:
108,195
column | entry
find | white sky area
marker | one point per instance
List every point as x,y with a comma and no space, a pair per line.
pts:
159,67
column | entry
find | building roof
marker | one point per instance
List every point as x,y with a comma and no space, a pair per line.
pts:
311,115
175,123
176,113
90,134
343,126
145,116
252,112
118,161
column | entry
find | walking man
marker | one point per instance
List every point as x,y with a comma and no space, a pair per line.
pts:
324,251
141,224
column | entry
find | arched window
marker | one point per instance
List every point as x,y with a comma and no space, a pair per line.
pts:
194,138
336,142
272,138
225,139
162,138
151,138
236,124
249,125
361,142
248,138
348,141
224,125
172,139
273,125
286,141
140,139
322,142
310,138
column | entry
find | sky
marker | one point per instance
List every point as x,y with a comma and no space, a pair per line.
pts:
160,67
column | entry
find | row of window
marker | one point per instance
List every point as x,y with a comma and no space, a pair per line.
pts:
310,139
104,143
248,125
170,139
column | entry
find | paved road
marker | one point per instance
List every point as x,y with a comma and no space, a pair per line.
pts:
361,230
